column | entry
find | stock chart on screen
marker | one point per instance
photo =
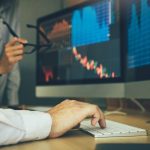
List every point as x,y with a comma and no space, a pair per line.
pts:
85,44
138,33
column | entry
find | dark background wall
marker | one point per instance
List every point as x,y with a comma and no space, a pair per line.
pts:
30,10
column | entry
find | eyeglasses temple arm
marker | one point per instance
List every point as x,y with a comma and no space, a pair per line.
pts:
10,29
41,33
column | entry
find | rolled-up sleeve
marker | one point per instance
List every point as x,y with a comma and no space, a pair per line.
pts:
20,126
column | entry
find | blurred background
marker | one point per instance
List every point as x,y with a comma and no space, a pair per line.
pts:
30,11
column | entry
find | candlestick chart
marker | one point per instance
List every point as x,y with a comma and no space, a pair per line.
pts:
87,42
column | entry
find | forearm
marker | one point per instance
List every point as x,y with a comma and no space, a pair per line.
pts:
12,87
2,71
19,126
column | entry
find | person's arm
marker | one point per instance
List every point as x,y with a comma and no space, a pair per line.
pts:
19,126
13,84
13,78
13,53
70,113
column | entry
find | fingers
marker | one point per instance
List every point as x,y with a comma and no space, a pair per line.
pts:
14,60
21,40
91,110
15,40
102,121
15,47
98,117
14,54
14,50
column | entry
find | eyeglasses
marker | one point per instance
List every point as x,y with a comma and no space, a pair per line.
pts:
32,47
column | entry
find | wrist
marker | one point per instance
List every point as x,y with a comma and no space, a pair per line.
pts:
1,70
4,67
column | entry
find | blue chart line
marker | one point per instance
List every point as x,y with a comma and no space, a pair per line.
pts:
139,36
91,24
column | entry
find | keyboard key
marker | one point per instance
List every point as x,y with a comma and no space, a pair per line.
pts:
113,129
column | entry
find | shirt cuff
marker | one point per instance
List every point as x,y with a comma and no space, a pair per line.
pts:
37,125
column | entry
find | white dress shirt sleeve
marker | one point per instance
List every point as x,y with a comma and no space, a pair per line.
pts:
18,126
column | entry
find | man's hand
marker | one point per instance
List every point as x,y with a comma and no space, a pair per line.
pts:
70,113
13,52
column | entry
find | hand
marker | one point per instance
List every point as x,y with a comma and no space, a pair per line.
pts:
13,52
70,113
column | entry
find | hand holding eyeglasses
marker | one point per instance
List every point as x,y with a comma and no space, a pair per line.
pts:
33,47
13,53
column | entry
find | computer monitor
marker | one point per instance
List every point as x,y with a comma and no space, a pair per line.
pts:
84,59
137,29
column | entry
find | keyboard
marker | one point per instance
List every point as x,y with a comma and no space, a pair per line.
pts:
113,129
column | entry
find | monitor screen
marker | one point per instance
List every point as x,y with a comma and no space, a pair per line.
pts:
138,39
85,51
85,45
137,46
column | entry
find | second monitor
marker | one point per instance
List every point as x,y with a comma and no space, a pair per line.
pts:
137,46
